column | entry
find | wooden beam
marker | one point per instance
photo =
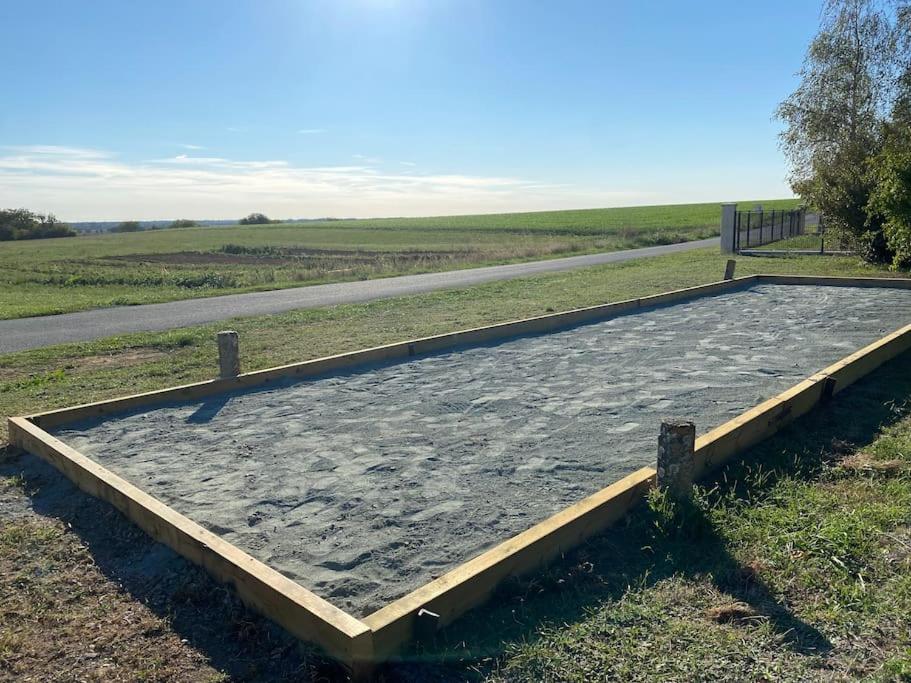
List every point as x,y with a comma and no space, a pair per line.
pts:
378,354
764,420
472,583
834,281
305,615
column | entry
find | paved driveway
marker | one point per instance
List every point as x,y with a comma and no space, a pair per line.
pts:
21,334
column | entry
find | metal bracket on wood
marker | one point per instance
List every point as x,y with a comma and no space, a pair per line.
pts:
426,623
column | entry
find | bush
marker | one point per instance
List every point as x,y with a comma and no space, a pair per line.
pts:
183,223
22,224
206,280
127,226
892,198
255,219
873,248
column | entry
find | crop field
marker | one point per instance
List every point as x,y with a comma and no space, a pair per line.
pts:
44,277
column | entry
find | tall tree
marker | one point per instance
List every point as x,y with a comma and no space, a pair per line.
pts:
835,118
890,171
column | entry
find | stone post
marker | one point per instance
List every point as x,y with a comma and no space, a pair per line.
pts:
676,465
228,354
728,218
729,269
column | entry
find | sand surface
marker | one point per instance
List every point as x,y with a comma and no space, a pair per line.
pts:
365,485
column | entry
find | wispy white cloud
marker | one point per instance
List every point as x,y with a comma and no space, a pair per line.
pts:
367,159
311,131
194,148
217,162
57,150
88,184
408,163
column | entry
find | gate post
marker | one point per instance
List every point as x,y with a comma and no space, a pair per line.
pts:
728,220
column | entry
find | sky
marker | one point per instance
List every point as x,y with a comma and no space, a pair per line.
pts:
159,109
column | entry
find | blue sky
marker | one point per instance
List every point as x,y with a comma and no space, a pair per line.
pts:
205,109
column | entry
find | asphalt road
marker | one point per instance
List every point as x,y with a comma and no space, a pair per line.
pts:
21,334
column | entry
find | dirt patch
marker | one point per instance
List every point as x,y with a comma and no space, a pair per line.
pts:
116,360
111,361
280,256
898,546
9,374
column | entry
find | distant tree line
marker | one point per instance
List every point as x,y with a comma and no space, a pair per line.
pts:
127,226
22,224
847,129
136,226
256,219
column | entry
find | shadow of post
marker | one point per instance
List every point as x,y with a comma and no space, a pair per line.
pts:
694,549
209,408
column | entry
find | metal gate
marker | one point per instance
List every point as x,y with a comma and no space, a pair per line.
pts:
757,227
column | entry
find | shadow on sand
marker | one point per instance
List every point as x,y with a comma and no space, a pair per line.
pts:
209,408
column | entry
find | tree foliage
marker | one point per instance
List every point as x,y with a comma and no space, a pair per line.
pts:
890,171
255,219
183,223
22,224
127,226
836,119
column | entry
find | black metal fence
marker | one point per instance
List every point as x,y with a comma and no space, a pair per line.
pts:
757,227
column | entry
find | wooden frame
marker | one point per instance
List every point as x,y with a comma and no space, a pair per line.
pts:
361,643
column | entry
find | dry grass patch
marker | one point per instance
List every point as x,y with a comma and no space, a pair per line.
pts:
61,619
865,463
733,612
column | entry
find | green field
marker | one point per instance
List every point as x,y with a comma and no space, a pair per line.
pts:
792,565
666,217
61,275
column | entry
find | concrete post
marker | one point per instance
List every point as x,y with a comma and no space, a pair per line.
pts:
728,217
228,354
729,269
676,464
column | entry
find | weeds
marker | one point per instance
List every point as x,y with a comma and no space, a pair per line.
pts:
35,381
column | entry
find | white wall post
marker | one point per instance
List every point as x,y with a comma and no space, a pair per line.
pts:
728,218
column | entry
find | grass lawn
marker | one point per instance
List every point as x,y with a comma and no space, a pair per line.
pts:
43,277
794,564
